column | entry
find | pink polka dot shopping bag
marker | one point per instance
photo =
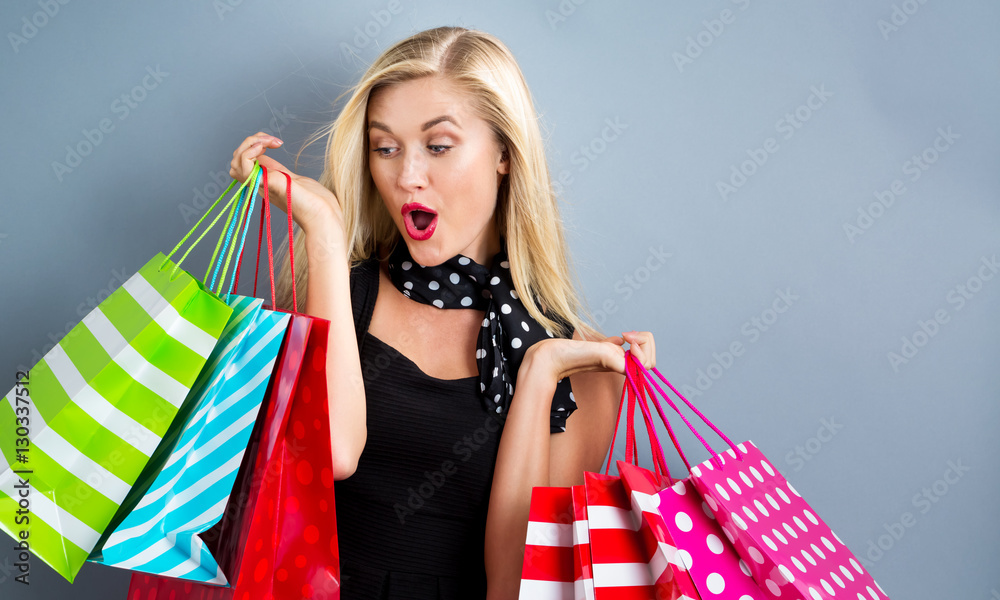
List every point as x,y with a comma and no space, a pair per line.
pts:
737,521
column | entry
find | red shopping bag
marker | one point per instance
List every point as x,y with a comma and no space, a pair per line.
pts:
789,550
583,572
280,538
626,556
547,571
583,542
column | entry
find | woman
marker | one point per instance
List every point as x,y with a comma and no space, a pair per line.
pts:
436,195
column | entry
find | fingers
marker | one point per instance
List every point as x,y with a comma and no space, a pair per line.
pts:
250,150
642,345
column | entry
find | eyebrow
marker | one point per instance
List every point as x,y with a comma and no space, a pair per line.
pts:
424,127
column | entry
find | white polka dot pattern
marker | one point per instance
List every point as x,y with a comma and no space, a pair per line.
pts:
668,565
792,552
508,329
716,569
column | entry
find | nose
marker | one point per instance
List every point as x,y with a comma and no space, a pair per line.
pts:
413,174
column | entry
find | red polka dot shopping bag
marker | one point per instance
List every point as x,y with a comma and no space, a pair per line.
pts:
790,552
278,536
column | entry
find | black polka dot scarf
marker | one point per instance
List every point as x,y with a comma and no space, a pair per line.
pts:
507,332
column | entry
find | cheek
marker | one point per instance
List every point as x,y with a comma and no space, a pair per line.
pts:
471,186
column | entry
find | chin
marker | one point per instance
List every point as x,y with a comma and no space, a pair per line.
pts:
426,253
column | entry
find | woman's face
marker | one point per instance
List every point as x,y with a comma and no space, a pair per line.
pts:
438,167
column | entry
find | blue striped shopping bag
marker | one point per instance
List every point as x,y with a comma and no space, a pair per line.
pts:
188,495
189,481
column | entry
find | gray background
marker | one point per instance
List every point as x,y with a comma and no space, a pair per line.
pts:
816,376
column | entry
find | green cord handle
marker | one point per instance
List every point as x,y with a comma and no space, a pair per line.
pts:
243,220
253,175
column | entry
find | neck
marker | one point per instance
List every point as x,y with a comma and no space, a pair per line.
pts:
486,248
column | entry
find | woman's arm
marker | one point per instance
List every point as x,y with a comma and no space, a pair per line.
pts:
530,456
317,211
329,297
522,463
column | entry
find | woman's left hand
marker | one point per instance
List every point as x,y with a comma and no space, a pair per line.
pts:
562,357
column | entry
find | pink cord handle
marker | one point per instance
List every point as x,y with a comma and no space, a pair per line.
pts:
630,396
635,364
715,457
659,462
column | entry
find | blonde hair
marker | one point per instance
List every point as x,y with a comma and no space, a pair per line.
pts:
481,66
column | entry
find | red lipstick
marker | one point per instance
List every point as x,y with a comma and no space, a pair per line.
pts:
420,220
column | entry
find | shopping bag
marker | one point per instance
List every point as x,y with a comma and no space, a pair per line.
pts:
789,550
547,572
161,533
703,563
583,541
628,560
278,536
193,471
583,576
97,405
623,554
689,540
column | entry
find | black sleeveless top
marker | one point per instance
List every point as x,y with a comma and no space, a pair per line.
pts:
411,520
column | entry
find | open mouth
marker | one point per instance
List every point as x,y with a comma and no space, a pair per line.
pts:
420,220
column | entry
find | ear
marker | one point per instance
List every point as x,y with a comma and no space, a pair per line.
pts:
503,167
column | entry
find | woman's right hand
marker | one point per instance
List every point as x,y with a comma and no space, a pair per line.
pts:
313,205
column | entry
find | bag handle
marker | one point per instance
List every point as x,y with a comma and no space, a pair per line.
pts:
632,395
227,206
241,225
265,221
659,462
647,377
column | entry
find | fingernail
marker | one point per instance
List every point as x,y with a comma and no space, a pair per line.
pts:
277,141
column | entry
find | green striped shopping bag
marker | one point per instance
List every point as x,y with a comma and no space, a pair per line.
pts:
78,429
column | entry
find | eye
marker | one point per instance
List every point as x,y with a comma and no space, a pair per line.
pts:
438,148
382,151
